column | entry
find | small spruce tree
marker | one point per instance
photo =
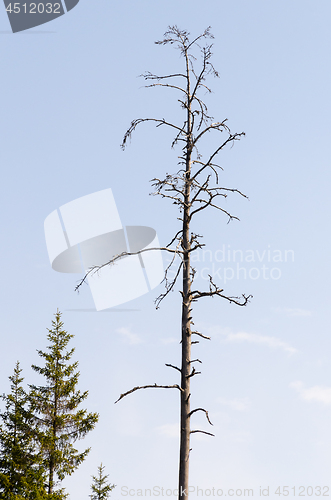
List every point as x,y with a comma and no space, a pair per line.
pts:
55,404
21,472
100,487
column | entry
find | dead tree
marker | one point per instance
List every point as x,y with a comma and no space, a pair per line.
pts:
193,188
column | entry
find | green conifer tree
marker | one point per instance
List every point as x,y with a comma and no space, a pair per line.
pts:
55,404
100,487
21,472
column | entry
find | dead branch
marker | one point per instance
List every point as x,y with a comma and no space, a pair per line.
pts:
175,238
175,367
200,409
214,290
209,190
153,386
149,76
193,372
200,78
178,137
95,269
136,122
180,38
202,432
170,183
166,85
201,335
220,126
210,204
169,287
231,138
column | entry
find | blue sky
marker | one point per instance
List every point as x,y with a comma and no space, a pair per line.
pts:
69,90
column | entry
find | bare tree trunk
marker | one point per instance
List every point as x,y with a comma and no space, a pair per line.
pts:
185,428
185,374
185,385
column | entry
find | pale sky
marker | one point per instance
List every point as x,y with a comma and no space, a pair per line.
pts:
69,90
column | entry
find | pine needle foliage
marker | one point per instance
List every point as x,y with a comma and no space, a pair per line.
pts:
21,472
100,487
56,406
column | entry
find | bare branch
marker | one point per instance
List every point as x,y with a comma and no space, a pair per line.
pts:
175,367
153,386
203,112
193,372
149,76
205,34
200,409
218,189
175,237
95,269
231,138
178,137
201,335
136,122
209,204
166,85
169,287
172,35
220,126
202,432
215,291
200,78
207,164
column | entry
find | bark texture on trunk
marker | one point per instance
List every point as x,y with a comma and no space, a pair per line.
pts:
185,428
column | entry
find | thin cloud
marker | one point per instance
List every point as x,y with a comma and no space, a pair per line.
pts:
239,404
239,437
170,430
130,337
272,342
169,340
319,393
254,338
294,312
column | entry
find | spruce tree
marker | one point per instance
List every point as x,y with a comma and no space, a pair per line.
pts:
21,472
55,404
100,487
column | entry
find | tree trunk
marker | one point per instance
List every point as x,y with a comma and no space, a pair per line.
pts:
54,435
185,428
51,477
185,385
